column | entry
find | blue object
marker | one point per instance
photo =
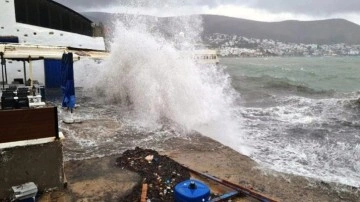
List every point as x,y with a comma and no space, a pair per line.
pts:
192,191
9,39
225,196
67,81
52,73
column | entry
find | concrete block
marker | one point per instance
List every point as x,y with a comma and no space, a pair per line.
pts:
38,163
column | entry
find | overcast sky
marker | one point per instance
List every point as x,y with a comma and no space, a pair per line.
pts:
263,10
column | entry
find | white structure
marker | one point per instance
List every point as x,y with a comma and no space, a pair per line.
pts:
206,56
36,24
37,53
30,34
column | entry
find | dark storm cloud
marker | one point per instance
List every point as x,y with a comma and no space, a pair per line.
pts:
86,4
81,5
307,7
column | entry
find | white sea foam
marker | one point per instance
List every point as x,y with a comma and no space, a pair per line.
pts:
304,136
148,74
147,77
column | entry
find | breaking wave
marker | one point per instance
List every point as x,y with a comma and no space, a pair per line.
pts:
154,76
307,137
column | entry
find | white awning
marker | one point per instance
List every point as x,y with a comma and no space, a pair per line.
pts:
35,52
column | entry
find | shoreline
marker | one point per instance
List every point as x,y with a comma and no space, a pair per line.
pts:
100,178
226,163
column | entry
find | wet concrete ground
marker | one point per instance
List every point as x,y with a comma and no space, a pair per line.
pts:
99,179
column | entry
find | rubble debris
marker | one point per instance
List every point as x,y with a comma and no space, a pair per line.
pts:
161,174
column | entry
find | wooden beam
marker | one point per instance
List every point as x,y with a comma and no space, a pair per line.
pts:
144,193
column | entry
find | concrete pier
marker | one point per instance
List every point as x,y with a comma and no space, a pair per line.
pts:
40,163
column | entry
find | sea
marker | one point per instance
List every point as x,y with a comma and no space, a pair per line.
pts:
301,114
297,115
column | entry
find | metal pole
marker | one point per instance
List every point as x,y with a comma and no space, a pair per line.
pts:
238,188
2,75
6,77
2,68
24,72
31,72
56,124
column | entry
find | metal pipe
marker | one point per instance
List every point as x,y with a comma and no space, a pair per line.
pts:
24,72
225,196
2,60
236,187
2,75
31,72
57,137
6,76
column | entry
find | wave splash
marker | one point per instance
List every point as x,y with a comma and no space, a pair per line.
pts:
147,73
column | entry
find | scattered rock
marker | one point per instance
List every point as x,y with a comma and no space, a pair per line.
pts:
161,175
149,158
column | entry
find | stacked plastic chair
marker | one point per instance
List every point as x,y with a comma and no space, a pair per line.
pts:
23,101
8,100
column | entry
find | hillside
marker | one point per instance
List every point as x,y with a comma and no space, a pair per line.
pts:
332,31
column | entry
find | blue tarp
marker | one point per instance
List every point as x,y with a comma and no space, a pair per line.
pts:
67,81
52,73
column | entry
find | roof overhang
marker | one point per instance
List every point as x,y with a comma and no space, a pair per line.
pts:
38,52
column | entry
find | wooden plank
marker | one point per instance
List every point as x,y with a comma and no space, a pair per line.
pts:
144,193
28,124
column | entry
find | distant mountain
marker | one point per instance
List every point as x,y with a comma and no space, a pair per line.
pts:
320,32
332,31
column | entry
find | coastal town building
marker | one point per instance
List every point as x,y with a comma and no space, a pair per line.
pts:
233,45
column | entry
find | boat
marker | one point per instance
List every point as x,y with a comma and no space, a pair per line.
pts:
206,56
201,56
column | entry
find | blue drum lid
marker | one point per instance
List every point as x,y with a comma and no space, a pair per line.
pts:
191,191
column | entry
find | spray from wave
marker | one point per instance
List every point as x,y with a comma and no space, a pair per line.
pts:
153,75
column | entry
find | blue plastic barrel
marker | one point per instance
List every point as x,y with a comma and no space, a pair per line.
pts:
191,191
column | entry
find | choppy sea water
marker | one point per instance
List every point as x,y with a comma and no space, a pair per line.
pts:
293,115
301,115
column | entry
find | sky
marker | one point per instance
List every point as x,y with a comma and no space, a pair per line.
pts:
261,10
